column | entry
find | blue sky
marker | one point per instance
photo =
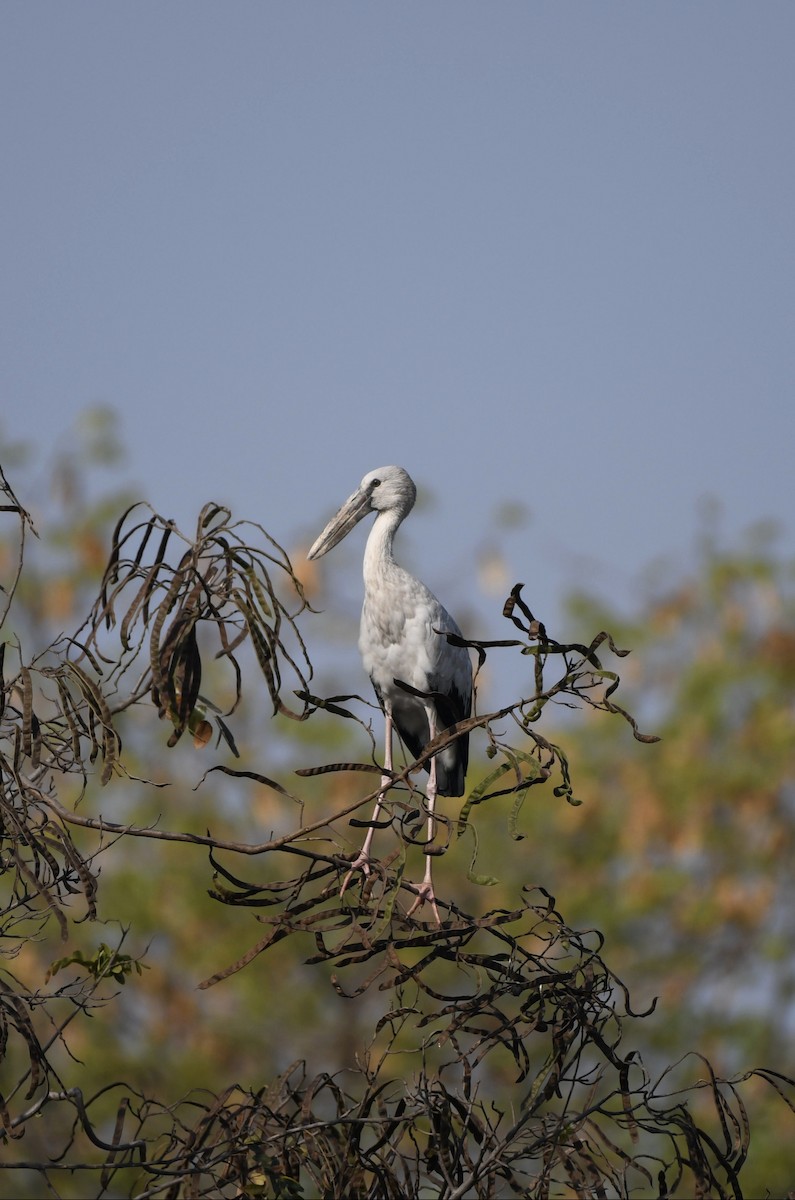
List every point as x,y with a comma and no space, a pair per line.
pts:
539,253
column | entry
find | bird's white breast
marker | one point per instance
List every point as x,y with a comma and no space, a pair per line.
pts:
398,638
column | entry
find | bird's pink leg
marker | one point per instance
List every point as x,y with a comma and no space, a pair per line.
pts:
362,860
425,890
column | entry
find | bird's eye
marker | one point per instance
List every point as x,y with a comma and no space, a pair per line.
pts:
374,483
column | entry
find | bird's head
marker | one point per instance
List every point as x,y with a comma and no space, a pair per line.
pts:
387,489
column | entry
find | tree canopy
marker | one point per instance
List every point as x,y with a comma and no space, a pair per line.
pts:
189,1007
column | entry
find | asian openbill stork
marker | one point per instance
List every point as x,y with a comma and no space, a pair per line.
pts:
402,640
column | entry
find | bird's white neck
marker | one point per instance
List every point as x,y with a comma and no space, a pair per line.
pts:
378,557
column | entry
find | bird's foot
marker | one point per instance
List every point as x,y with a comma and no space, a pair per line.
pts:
362,863
425,895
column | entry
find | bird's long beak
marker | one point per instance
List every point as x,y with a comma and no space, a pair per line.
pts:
356,507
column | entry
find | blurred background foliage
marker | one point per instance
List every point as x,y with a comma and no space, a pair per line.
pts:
680,854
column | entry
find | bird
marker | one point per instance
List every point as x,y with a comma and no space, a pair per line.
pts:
402,641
